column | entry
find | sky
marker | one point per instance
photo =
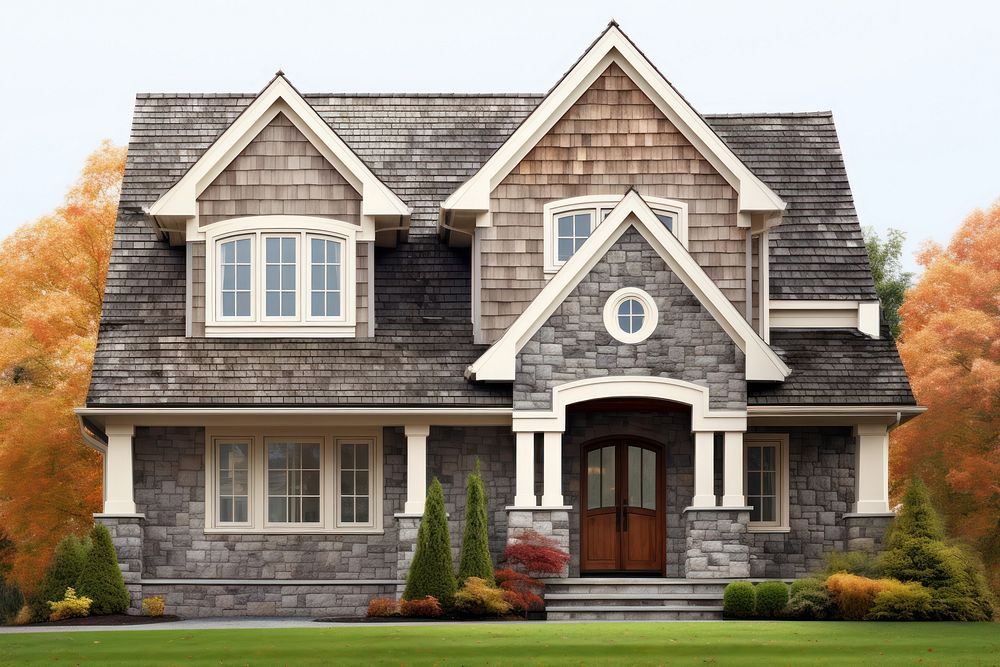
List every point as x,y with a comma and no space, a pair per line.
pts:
912,85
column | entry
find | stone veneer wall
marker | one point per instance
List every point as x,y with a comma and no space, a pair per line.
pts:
170,487
687,344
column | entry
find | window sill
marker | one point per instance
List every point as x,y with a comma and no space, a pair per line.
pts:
295,531
280,331
769,529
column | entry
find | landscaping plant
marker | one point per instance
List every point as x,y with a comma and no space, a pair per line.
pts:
520,590
475,559
70,606
11,600
101,579
530,556
382,608
739,599
153,606
772,598
478,598
432,572
854,596
904,602
426,607
809,600
916,551
62,573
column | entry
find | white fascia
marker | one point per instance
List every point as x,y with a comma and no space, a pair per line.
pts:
180,201
615,47
498,363
825,314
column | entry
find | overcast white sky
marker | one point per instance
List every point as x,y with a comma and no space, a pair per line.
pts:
913,85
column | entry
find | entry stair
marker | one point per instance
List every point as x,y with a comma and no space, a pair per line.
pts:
634,599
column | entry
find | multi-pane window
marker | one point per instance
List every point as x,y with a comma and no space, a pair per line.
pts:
631,315
762,482
572,231
293,482
280,271
235,277
355,494
325,289
667,219
233,482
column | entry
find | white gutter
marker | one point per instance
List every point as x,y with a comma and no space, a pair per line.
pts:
897,412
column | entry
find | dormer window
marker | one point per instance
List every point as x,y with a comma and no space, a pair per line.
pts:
570,222
280,276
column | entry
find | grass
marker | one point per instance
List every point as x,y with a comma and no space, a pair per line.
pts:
745,643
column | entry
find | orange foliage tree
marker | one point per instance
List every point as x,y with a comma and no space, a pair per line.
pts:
52,284
951,349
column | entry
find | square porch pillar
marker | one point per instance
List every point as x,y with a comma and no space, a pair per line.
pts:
524,487
119,495
416,468
704,469
552,461
872,469
732,478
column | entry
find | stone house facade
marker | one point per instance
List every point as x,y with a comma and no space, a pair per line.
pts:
656,330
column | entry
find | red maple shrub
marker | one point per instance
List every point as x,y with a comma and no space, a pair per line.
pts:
425,607
382,607
536,554
520,590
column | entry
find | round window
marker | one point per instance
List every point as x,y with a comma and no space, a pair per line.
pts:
630,315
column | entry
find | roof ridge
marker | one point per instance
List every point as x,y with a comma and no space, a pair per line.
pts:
151,95
772,114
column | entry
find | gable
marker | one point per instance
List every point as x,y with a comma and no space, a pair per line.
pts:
611,139
279,172
687,342
498,363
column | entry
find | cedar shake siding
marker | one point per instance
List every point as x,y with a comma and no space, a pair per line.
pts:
611,139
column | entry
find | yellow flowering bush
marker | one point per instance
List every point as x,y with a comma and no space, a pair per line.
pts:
70,606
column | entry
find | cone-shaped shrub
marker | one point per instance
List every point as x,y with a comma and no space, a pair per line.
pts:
64,570
917,517
101,579
432,572
475,560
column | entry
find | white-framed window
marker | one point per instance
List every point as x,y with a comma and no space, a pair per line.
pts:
570,222
630,315
280,276
765,465
301,481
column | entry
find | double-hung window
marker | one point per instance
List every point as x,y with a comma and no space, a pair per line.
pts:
570,222
766,469
325,287
235,280
267,481
280,276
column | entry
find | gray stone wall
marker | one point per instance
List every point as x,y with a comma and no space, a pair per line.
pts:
716,544
553,523
688,344
126,535
821,490
866,532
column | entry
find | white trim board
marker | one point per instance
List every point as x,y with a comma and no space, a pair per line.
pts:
179,203
498,363
613,46
825,314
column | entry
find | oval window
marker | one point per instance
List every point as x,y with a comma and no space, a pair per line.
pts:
630,315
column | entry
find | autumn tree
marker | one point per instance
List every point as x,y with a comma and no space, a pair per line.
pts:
885,254
951,349
52,284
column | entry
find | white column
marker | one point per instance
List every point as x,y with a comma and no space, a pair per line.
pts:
416,468
118,483
872,468
704,469
552,460
732,471
524,493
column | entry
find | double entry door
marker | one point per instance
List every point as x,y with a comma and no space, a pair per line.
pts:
622,518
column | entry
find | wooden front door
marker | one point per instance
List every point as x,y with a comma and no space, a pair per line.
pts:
622,520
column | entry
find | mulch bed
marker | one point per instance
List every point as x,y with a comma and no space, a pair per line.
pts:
409,619
114,619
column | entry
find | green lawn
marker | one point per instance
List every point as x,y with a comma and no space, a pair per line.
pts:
747,643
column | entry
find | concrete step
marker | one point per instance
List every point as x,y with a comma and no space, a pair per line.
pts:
637,599
648,587
635,613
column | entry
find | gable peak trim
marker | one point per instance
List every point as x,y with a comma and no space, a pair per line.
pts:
613,46
499,362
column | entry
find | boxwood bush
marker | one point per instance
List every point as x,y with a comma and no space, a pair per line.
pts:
809,600
772,598
739,600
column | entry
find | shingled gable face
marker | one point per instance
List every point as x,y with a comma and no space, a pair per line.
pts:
316,303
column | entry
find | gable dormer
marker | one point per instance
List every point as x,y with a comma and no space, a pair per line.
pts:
611,123
280,219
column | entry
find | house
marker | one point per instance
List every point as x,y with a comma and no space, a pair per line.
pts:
656,330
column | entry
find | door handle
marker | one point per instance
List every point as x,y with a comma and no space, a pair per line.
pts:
624,519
